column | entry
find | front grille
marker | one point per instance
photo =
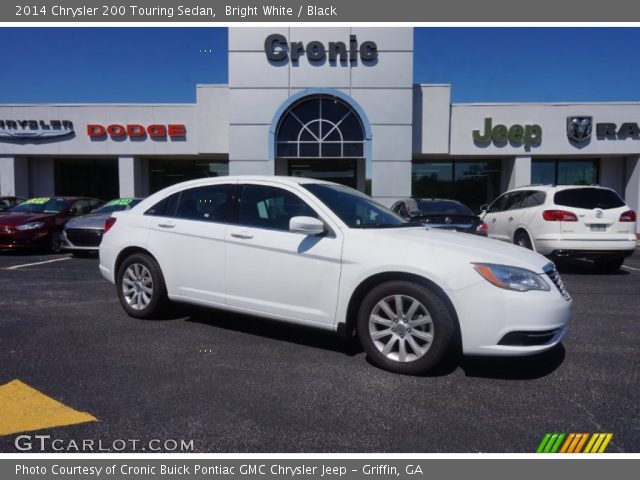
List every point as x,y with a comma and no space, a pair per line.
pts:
553,274
84,237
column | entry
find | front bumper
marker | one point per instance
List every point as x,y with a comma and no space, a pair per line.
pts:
16,239
488,314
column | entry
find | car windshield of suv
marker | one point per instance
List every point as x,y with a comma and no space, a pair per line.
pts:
588,198
117,205
441,207
43,205
356,209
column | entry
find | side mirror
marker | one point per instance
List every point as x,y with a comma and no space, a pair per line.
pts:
306,226
484,208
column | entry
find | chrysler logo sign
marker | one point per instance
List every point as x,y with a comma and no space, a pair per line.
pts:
579,128
34,129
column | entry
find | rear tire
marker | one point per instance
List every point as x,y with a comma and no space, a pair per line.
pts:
141,288
608,265
522,239
405,327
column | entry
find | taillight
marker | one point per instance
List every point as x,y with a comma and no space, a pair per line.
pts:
559,216
109,223
483,229
628,216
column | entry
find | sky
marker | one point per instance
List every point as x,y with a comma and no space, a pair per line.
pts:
163,65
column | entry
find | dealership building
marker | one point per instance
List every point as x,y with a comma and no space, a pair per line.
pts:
332,103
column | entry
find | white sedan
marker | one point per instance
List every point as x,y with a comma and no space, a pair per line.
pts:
324,255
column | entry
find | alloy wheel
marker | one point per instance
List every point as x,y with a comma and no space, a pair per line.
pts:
137,286
401,328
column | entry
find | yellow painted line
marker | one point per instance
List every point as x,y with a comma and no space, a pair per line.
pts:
607,439
581,444
24,409
594,437
596,445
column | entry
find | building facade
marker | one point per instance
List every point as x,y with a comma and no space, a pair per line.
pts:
332,103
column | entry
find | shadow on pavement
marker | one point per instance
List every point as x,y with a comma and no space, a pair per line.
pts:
583,267
514,368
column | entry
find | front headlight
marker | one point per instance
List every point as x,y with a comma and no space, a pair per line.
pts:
511,278
30,226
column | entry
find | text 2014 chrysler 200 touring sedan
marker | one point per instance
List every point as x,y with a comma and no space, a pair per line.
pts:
324,255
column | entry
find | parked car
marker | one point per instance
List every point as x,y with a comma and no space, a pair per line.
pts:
37,222
9,202
84,233
566,221
441,213
324,255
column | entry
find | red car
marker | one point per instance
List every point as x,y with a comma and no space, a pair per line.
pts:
37,222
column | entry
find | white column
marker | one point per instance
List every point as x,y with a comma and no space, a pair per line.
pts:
132,177
516,172
632,185
390,181
14,176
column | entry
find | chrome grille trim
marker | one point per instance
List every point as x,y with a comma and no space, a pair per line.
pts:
554,276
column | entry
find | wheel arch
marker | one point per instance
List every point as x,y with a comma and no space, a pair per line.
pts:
523,228
346,328
128,252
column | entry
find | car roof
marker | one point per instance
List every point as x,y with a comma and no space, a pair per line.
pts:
284,180
554,188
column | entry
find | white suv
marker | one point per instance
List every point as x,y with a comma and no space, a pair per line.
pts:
324,255
570,220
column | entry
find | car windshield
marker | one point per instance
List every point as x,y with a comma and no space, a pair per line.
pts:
441,207
588,198
355,209
117,205
43,205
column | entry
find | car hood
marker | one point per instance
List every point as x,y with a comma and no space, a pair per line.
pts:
92,220
13,219
437,243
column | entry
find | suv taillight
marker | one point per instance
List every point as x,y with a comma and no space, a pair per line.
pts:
628,216
109,223
559,216
482,229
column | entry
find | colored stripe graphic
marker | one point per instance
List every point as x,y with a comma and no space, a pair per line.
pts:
574,442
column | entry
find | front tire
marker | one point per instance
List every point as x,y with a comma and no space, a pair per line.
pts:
608,265
141,287
405,327
54,242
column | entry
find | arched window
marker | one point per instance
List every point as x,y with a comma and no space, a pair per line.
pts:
320,126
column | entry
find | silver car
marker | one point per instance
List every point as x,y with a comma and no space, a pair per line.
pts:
85,233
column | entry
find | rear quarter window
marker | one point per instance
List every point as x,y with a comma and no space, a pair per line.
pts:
588,198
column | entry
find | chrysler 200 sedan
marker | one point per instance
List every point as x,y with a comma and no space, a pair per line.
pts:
324,255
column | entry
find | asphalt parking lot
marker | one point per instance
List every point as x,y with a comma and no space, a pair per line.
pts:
236,384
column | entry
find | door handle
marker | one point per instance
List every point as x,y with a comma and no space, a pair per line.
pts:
493,220
166,225
243,235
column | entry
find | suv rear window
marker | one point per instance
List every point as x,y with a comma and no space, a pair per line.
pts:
588,198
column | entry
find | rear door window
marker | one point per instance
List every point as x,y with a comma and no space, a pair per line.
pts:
588,198
211,203
514,200
533,199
